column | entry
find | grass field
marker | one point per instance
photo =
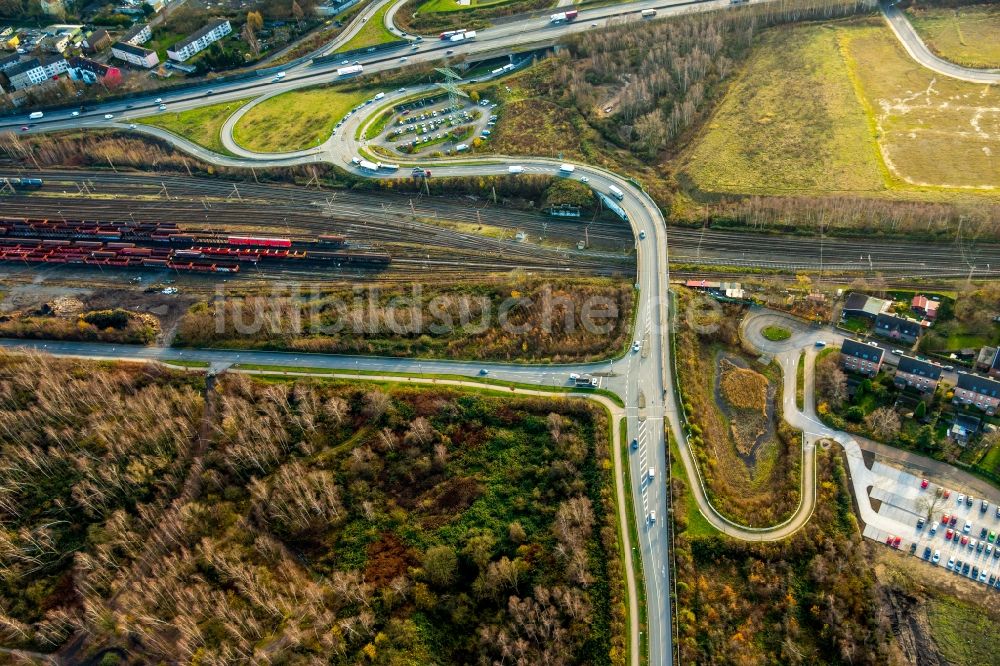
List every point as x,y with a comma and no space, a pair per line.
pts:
776,333
963,633
295,120
965,35
850,113
202,125
454,6
802,130
373,33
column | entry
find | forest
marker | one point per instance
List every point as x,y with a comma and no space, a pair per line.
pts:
156,516
810,599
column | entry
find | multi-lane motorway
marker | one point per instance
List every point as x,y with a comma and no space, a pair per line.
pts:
643,379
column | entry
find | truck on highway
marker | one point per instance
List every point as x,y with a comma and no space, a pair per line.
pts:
564,17
450,33
616,193
35,115
379,96
515,169
566,169
420,172
388,167
648,13
350,70
463,36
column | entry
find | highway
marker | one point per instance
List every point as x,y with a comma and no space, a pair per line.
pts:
643,379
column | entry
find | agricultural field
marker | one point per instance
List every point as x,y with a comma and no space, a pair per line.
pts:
807,599
964,35
749,457
202,125
430,16
851,114
296,120
456,321
184,522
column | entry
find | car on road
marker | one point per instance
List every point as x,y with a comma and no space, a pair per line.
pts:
636,346
132,126
403,59
163,107
401,90
158,100
75,114
651,473
449,51
24,128
129,106
820,344
109,116
642,235
652,516
209,92
584,179
635,444
898,352
937,556
484,372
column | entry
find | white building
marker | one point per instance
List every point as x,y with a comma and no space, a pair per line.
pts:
200,40
138,34
135,55
33,71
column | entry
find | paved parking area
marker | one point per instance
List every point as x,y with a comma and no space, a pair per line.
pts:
902,502
439,126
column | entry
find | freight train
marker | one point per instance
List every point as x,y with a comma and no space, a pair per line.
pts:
29,183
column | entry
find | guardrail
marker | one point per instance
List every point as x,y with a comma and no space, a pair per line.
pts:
364,50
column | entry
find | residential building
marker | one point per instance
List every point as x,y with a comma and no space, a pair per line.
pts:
89,71
725,289
33,71
135,55
898,328
994,368
138,34
926,307
200,40
860,357
862,305
920,375
8,61
982,392
963,428
55,43
97,41
985,359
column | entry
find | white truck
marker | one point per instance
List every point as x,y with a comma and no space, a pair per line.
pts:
566,169
616,193
463,36
563,17
379,96
515,169
648,13
367,166
350,70
35,115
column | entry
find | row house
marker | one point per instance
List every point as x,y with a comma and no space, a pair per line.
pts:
138,34
89,71
34,71
862,358
898,328
982,392
917,374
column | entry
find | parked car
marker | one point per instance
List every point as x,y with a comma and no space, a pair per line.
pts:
924,483
927,552
945,518
934,527
951,563
949,534
968,526
982,533
937,556
920,523
969,499
965,540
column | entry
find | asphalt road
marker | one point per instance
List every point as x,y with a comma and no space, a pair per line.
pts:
918,50
643,378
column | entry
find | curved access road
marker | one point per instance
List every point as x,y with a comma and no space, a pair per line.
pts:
918,50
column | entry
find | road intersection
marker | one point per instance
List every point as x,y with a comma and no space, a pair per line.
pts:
644,380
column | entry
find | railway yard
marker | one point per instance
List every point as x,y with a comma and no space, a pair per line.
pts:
411,234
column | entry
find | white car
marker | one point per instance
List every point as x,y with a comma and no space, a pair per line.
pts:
132,126
951,563
109,116
158,100
584,179
573,376
968,526
937,557
403,59
75,114
401,90
652,516
651,473
163,107
636,346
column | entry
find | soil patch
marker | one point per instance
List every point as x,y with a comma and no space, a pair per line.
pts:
746,397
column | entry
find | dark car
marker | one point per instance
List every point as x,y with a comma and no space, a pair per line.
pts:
979,547
965,569
953,520
983,532
913,548
927,553
993,579
975,572
920,523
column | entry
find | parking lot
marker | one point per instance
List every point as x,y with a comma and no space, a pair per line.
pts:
424,127
972,525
